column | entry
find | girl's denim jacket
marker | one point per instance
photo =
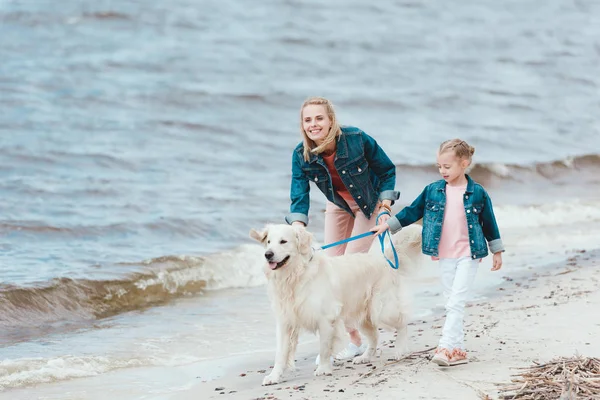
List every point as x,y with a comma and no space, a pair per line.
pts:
365,169
430,206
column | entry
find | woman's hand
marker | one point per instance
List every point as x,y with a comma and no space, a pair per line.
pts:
379,229
298,223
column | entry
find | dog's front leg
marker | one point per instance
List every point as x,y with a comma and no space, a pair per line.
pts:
281,355
326,337
372,336
291,362
401,341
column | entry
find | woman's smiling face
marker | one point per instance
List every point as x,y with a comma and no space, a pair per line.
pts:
315,122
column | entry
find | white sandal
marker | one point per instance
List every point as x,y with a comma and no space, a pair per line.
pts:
349,352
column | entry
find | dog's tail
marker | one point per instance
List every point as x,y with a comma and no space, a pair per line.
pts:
407,243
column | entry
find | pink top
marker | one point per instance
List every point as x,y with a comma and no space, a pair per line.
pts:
454,242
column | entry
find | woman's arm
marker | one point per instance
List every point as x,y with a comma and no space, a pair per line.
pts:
383,167
299,193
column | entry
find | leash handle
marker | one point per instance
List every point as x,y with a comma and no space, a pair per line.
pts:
382,243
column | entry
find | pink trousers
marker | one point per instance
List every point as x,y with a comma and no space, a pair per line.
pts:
340,225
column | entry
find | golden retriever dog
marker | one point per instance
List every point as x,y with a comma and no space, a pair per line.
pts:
311,291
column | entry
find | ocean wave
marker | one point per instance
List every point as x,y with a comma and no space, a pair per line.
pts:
65,303
570,170
107,15
31,371
503,170
548,215
174,226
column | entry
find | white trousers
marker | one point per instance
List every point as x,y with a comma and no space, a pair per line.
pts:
457,276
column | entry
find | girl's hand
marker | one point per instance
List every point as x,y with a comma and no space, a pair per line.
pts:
379,229
497,261
383,219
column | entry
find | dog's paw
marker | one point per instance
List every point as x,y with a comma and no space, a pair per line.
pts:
401,353
364,359
290,368
271,379
323,370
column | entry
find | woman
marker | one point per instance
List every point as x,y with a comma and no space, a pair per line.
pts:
353,172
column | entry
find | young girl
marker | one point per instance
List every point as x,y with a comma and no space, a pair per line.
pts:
354,174
458,219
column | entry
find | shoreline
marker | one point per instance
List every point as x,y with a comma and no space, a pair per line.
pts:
559,303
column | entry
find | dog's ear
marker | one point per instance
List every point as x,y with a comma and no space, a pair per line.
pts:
258,236
304,239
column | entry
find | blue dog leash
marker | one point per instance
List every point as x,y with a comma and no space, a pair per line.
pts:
350,239
381,242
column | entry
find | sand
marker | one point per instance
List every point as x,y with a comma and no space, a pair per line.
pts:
535,317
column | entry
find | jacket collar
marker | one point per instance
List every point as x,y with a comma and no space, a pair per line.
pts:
341,149
470,185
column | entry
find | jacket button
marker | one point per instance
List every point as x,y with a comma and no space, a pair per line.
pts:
316,178
351,185
343,172
473,256
472,241
466,197
364,206
470,226
468,211
359,170
359,198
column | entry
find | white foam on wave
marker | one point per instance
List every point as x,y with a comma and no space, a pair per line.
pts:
236,268
31,371
243,267
551,214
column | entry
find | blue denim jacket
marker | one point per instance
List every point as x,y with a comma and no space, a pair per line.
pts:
430,206
365,169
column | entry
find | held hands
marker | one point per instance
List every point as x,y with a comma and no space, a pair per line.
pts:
497,261
383,219
385,212
381,228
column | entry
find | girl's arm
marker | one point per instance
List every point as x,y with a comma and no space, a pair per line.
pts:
408,215
489,225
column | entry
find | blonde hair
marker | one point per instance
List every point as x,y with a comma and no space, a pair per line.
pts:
309,145
461,149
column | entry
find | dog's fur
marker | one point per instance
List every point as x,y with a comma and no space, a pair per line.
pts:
310,290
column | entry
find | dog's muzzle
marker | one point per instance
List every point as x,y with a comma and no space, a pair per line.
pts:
274,264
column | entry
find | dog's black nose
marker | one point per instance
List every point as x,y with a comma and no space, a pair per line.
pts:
269,254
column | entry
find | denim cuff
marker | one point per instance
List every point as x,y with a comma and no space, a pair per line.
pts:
392,195
394,224
293,217
495,245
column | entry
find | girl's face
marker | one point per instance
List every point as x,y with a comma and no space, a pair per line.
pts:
451,167
315,122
